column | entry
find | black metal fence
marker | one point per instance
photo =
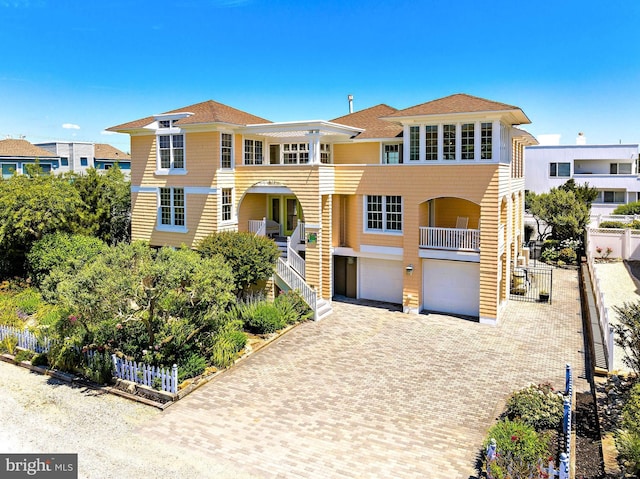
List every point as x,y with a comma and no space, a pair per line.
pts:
532,283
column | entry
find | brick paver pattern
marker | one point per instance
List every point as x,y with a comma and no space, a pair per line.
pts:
370,392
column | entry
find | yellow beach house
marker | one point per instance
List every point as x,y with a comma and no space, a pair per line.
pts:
421,207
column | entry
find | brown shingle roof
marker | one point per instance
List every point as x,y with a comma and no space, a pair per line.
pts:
206,112
24,149
458,103
102,151
370,121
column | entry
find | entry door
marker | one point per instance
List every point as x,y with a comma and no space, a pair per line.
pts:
275,209
291,215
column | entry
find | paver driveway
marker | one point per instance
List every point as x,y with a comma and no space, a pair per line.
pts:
371,392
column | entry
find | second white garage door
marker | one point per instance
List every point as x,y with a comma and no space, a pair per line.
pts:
451,287
381,280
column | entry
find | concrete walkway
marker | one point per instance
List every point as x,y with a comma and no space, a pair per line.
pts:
618,287
371,392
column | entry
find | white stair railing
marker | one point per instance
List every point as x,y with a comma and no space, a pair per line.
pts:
295,260
258,227
295,281
297,236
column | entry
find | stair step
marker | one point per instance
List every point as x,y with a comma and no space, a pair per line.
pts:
323,309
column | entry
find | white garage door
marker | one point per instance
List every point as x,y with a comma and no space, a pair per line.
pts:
451,287
381,280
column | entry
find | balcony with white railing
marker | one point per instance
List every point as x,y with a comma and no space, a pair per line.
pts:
454,239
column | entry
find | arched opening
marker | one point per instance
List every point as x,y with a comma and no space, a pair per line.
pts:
449,223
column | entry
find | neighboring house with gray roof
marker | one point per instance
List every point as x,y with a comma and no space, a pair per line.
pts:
17,154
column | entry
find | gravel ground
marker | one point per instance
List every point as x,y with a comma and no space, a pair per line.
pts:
39,414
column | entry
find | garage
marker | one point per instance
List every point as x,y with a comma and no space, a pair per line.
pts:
381,280
451,287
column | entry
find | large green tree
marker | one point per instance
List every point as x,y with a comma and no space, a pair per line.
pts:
107,199
30,208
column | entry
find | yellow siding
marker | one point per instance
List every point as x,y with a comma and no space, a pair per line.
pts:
253,207
356,153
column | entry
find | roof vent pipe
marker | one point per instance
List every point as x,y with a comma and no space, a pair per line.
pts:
350,98
581,139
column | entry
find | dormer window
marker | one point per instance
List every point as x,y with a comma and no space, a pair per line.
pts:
165,123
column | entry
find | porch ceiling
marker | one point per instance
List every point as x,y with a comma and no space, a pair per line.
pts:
301,129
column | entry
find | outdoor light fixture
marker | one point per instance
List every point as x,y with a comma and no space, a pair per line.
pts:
409,269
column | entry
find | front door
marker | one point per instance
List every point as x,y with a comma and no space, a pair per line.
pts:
291,215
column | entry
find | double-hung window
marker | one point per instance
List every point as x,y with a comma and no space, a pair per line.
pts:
171,152
295,153
560,170
449,142
414,143
392,154
431,142
486,143
325,153
383,213
172,208
467,141
226,203
226,150
253,152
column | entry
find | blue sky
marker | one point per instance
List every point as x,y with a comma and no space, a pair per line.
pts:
570,65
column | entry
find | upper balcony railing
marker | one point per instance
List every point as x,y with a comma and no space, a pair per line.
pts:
455,239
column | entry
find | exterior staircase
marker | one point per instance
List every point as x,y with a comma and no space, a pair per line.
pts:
291,268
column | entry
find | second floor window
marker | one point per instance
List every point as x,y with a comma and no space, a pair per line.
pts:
295,153
414,143
171,150
467,141
226,150
253,153
449,142
620,168
486,144
392,154
559,170
325,153
172,207
431,140
383,213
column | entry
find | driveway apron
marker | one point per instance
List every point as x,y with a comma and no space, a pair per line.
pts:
372,392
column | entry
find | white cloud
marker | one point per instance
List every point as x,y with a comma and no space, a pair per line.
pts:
70,126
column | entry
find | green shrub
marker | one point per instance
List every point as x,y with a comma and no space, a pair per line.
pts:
537,406
519,449
631,410
611,224
28,301
238,339
194,366
567,255
628,445
8,344
40,360
264,318
99,367
628,209
292,298
634,225
67,357
549,255
23,355
252,258
226,347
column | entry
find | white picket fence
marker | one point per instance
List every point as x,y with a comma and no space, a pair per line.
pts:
603,312
26,339
141,373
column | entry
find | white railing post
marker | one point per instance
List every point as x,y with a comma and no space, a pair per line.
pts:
288,249
610,347
564,466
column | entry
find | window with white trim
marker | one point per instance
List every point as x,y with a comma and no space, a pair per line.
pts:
617,197
226,203
8,169
325,153
620,168
171,152
383,213
226,150
414,143
449,142
172,207
560,170
431,142
295,153
253,152
392,154
486,141
467,141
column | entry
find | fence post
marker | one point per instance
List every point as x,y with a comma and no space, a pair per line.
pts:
174,379
564,466
610,348
491,456
567,381
115,365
